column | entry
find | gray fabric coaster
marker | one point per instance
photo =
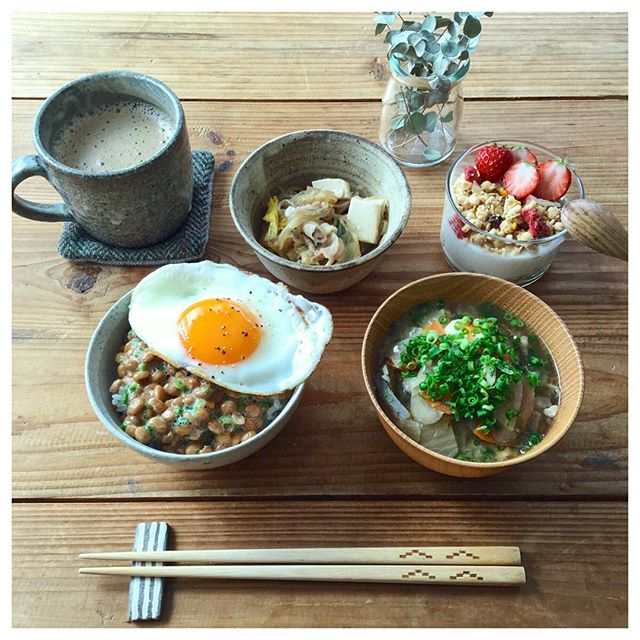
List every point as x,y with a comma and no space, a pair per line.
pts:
188,243
145,594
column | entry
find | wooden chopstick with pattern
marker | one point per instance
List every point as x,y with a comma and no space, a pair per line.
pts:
328,555
431,574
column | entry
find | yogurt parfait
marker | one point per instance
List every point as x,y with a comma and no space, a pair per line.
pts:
502,208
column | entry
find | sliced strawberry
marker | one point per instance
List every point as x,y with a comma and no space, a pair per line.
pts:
523,154
492,161
521,179
555,180
471,174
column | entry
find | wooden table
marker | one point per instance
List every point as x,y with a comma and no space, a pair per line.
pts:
332,477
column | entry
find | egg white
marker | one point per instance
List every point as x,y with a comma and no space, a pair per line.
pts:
294,331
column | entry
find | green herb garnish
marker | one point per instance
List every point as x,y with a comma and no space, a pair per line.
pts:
471,370
533,378
509,414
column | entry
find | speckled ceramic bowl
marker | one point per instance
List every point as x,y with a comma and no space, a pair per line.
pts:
296,159
100,372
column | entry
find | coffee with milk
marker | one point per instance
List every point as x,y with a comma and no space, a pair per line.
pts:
115,146
112,137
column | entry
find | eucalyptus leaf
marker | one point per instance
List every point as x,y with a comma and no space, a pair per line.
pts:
418,121
431,120
412,26
453,30
400,49
439,91
385,17
431,154
431,44
447,117
397,122
472,27
380,28
420,48
441,21
441,66
429,23
450,49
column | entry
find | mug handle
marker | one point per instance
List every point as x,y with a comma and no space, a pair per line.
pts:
27,167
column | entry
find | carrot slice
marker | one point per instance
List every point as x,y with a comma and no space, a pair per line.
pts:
479,433
434,326
440,406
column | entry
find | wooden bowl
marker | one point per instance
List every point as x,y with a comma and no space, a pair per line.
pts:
474,288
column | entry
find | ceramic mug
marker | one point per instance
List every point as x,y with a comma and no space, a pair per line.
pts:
136,206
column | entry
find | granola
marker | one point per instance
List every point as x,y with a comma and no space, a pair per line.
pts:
488,206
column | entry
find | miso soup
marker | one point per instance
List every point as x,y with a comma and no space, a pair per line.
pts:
468,382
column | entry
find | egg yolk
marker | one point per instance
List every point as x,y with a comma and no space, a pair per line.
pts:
218,331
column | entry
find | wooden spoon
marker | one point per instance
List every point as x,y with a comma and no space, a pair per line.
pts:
592,225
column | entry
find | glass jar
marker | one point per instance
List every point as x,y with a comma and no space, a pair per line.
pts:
470,248
420,117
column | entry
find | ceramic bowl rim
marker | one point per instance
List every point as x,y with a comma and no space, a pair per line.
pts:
535,451
292,136
90,365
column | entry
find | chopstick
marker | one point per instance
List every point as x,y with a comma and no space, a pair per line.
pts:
328,555
431,574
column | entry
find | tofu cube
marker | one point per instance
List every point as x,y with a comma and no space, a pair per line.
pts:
340,187
366,216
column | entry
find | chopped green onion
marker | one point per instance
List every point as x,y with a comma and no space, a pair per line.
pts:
534,379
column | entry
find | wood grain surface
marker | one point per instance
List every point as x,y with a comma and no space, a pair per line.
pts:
335,405
332,477
322,56
574,554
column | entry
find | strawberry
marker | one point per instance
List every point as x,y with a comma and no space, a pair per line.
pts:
492,161
521,153
537,226
471,174
456,224
521,179
555,180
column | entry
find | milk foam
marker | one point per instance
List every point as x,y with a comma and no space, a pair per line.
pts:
113,137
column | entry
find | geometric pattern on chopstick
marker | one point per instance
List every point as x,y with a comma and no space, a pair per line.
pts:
426,574
416,552
462,552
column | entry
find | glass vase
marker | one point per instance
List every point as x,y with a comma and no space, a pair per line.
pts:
420,117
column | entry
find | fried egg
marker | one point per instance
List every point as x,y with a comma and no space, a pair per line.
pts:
234,328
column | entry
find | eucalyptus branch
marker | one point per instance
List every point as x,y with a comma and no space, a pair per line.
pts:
433,50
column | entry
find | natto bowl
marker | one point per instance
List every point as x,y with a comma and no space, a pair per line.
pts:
471,288
101,371
294,160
